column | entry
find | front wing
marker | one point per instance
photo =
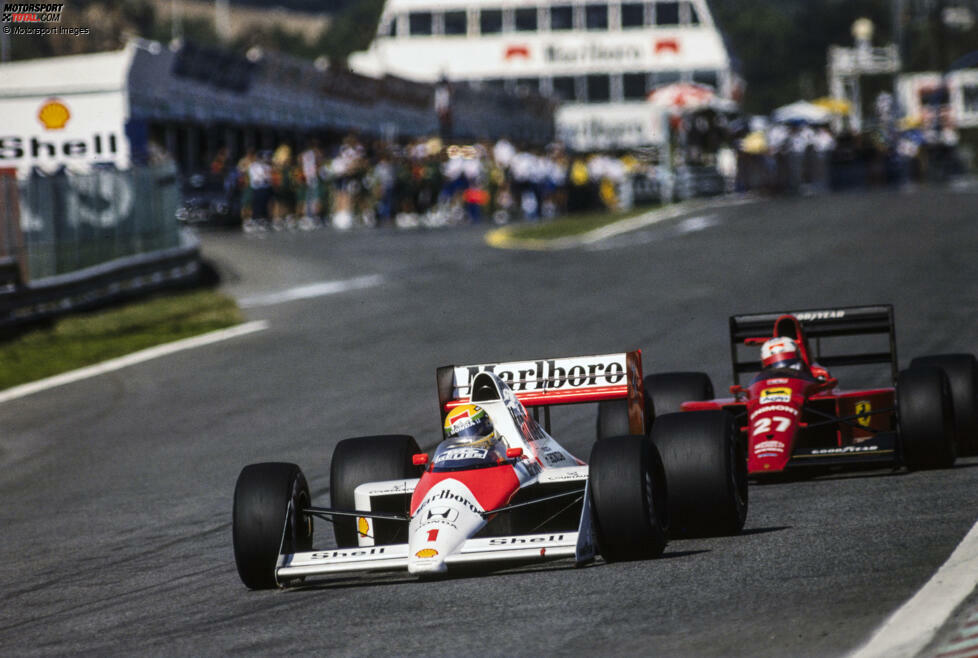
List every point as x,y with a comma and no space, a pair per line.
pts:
395,556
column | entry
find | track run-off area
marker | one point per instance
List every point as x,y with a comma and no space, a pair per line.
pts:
117,486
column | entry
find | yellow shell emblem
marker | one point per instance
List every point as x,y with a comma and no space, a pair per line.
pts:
53,115
426,552
362,526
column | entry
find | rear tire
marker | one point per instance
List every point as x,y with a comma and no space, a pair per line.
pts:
628,499
262,497
665,392
369,459
705,462
613,419
962,375
926,418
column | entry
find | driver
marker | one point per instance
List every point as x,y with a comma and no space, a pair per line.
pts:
469,425
781,352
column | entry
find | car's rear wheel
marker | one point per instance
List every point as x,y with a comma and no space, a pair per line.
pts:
369,459
268,520
705,463
962,375
612,419
666,391
628,499
926,418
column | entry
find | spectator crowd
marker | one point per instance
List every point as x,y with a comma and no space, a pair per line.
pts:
425,182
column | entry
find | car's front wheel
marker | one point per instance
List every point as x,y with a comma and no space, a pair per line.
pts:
268,520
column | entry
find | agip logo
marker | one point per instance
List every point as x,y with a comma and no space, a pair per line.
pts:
53,114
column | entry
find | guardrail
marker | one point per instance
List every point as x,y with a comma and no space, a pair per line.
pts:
71,242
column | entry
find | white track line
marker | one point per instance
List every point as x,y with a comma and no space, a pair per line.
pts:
909,629
311,290
131,359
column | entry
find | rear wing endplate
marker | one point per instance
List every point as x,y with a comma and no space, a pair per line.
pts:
818,324
547,382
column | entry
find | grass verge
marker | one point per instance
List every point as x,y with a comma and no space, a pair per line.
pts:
569,225
80,340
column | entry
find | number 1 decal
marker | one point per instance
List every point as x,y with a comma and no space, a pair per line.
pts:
433,534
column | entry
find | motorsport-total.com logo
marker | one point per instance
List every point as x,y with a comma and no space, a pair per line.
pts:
32,12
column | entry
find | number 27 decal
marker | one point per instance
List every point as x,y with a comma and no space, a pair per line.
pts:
764,424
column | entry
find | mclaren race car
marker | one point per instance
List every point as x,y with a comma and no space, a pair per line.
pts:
497,488
795,417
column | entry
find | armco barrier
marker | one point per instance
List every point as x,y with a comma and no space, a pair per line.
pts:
71,241
101,284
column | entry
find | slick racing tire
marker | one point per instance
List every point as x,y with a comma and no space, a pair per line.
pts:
267,519
664,392
926,418
628,499
962,375
369,459
705,461
612,419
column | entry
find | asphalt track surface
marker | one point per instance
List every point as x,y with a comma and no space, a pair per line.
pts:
115,534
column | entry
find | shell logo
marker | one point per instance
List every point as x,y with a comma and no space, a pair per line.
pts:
426,552
53,115
362,526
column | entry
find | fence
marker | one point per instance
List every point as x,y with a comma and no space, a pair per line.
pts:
74,241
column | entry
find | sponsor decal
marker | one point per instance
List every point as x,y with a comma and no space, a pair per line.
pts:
457,454
771,395
362,527
551,374
331,555
768,448
844,450
667,46
433,535
447,494
441,513
509,541
554,458
775,407
517,51
592,53
454,418
426,553
863,408
820,315
53,114
776,380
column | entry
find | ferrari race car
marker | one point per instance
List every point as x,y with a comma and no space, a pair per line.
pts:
795,417
498,488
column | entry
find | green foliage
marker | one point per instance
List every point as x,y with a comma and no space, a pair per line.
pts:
80,340
351,29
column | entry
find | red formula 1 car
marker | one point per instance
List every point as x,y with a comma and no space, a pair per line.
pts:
793,414
497,488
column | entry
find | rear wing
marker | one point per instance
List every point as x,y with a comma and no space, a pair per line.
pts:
818,324
547,382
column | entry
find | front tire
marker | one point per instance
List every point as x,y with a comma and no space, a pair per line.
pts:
705,462
926,418
962,376
267,520
628,499
369,459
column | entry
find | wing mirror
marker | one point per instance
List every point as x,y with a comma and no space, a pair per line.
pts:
419,459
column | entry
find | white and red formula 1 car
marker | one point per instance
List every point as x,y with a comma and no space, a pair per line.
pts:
520,496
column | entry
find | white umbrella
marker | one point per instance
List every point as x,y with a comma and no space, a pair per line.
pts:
801,111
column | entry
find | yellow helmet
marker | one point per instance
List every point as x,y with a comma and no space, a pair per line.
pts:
469,425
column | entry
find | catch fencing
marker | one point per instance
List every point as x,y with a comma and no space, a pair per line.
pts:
70,241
